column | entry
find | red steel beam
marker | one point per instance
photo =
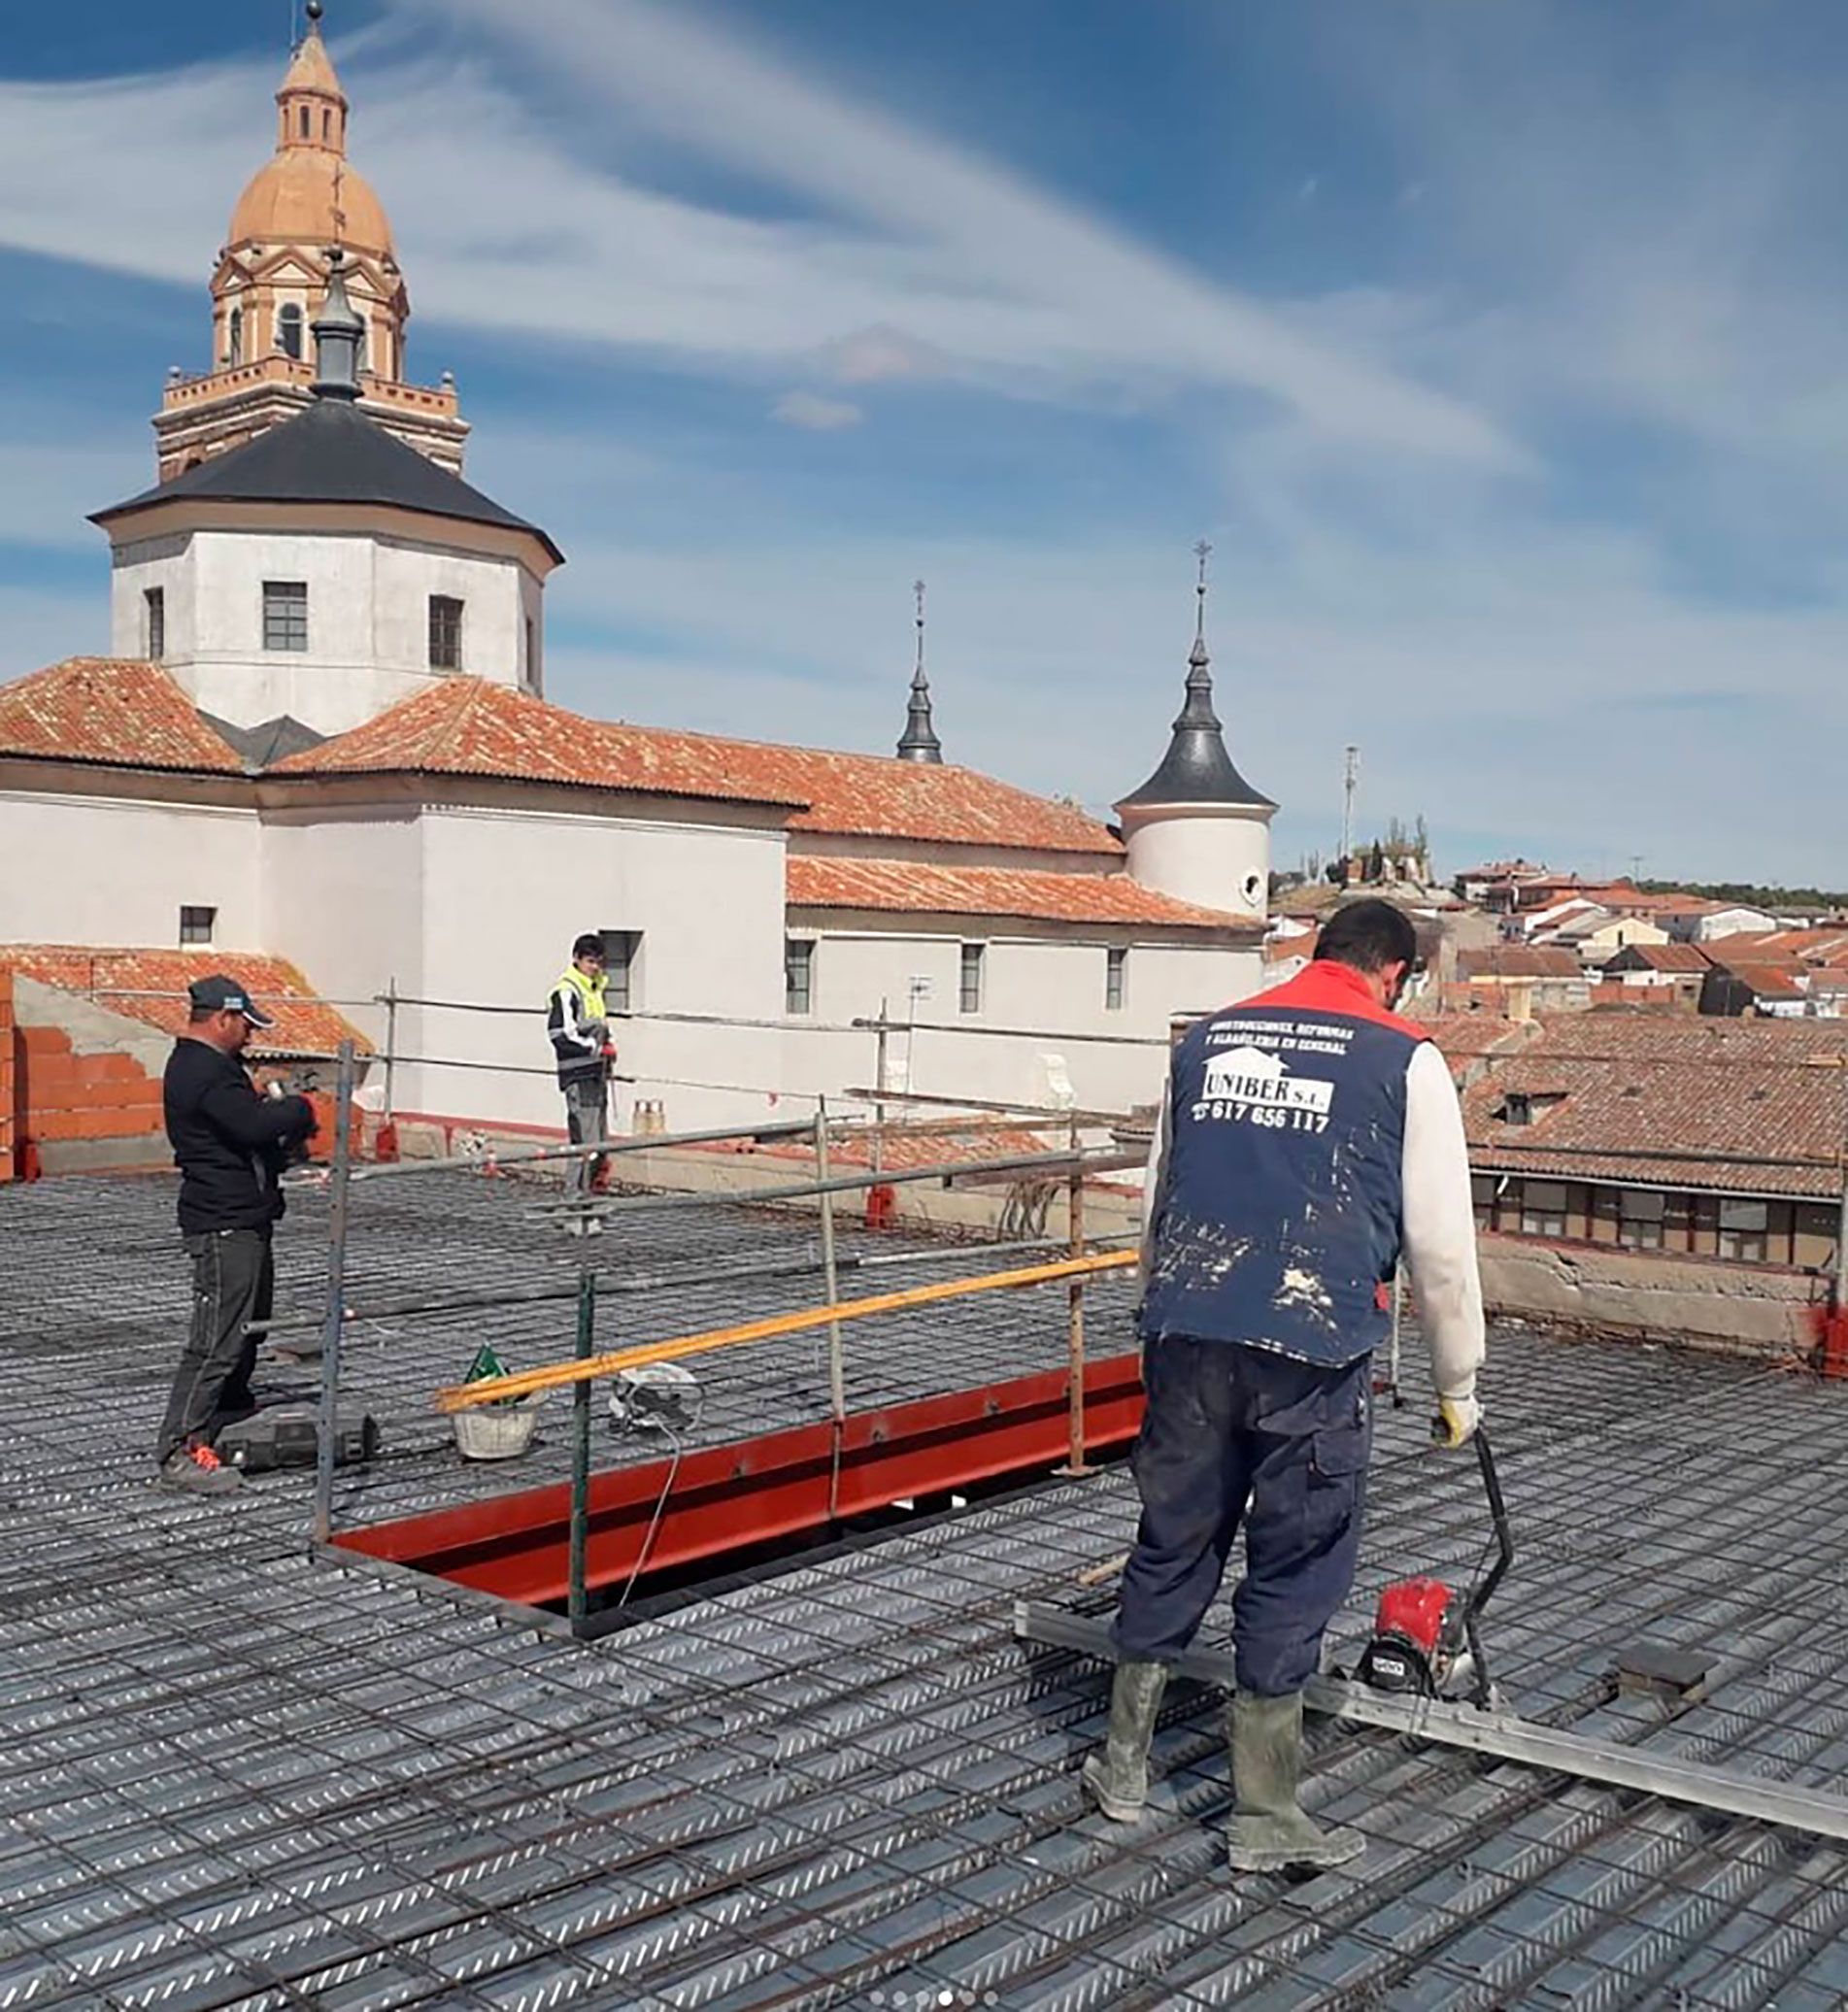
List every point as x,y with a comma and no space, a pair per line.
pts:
727,1498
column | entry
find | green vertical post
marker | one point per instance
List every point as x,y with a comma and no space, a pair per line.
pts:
580,1443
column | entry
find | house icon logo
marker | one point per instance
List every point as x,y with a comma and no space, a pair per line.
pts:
1250,1076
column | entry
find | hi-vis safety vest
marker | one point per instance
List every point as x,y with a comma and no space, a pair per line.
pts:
575,1019
1276,1218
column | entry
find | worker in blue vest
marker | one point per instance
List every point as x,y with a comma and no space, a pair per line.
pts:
578,1020
1307,1138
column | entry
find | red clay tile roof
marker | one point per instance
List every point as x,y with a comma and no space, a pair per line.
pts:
1766,981
118,979
897,887
1640,1089
1517,961
466,727
110,710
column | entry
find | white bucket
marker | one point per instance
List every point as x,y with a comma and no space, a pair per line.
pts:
498,1432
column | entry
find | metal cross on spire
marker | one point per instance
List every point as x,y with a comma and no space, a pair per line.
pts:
1201,551
917,591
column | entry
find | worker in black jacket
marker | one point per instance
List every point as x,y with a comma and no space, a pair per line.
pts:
229,1143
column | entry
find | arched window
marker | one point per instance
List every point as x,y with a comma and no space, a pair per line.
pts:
289,330
304,121
327,126
236,354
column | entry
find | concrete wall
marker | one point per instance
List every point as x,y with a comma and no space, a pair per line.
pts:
368,619
110,870
1694,1302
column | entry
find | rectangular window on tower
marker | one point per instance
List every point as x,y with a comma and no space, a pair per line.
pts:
1116,979
197,924
798,976
974,955
446,633
622,956
285,615
154,608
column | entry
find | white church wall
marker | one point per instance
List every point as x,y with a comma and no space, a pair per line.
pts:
343,900
1050,986
116,871
368,620
504,896
1219,859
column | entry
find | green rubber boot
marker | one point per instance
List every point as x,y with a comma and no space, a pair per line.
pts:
1118,1778
1270,1829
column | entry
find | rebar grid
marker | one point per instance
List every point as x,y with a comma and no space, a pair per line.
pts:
236,1779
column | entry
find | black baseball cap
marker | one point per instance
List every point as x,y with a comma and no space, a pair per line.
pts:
222,994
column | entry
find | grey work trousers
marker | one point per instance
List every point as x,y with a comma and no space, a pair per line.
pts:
587,1110
233,1283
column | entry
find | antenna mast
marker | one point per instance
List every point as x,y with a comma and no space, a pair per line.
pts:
1350,782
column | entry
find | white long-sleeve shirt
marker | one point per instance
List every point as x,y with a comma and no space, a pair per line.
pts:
1438,1219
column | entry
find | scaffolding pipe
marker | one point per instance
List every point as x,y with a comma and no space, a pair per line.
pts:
334,1319
830,1277
577,1599
1075,1319
552,1376
532,1155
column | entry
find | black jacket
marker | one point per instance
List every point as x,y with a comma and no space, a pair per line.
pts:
227,1141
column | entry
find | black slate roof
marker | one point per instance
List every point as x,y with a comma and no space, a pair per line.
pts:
1197,768
331,453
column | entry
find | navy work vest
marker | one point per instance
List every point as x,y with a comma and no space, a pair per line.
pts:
1277,1222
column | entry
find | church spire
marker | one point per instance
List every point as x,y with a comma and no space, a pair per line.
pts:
920,743
1197,768
312,104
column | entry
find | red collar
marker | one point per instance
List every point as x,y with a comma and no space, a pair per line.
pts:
1328,987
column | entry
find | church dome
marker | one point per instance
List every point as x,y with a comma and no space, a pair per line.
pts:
308,194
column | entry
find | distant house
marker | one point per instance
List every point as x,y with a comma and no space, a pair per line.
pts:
1600,937
1713,1138
1519,980
1680,968
1771,992
1732,922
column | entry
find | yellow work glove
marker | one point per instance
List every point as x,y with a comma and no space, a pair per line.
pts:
1456,1421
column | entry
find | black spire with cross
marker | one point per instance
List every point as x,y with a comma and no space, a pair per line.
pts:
919,742
338,332
1197,768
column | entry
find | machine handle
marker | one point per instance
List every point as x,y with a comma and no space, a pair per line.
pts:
1498,1516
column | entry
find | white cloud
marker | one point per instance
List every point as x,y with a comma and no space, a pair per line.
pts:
814,414
947,255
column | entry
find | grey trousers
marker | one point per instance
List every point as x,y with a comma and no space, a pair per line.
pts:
587,1110
233,1282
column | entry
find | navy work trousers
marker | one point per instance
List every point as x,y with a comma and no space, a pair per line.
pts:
1240,1438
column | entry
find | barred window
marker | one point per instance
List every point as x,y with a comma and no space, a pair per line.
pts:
155,603
973,957
1116,979
620,950
196,925
285,615
798,976
446,633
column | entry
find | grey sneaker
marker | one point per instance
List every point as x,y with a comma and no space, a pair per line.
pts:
200,1472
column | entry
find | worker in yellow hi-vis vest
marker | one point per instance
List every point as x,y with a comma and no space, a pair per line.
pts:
578,1021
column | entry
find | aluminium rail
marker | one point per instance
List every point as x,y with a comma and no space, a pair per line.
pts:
1607,1763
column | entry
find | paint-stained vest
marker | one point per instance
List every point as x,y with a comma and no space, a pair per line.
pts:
1277,1224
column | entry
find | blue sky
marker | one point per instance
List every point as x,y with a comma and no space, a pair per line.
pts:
1497,348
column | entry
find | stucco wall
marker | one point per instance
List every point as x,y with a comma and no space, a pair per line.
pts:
1046,981
368,619
109,870
504,896
1217,859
